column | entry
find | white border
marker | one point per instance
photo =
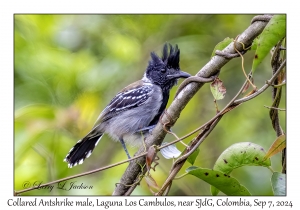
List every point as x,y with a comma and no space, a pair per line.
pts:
8,8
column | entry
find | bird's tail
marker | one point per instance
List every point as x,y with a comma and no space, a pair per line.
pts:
82,149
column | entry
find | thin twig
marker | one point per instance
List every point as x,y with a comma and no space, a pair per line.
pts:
254,87
181,176
263,88
279,109
279,85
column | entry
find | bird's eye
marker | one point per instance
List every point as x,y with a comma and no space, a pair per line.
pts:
163,70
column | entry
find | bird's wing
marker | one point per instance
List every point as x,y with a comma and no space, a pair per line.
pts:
130,97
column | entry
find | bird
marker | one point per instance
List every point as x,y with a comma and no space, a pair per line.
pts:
133,113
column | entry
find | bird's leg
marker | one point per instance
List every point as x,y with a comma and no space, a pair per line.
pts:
124,147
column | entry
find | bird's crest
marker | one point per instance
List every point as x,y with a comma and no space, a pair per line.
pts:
170,57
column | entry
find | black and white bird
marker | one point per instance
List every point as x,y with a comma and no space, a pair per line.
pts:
135,110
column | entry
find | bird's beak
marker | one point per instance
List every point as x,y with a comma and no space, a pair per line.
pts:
180,74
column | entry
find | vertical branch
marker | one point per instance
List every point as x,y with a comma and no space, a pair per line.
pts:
276,96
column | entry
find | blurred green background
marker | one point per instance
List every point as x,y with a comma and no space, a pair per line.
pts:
67,68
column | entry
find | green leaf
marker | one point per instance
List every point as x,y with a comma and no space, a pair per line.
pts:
228,185
218,89
278,181
278,145
238,155
241,154
271,35
221,45
191,159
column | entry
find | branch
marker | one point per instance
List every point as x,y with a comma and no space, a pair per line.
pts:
211,68
279,109
276,96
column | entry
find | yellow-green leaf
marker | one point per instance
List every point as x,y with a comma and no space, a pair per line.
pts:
278,145
151,182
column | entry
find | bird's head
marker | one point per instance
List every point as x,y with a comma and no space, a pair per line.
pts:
165,71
